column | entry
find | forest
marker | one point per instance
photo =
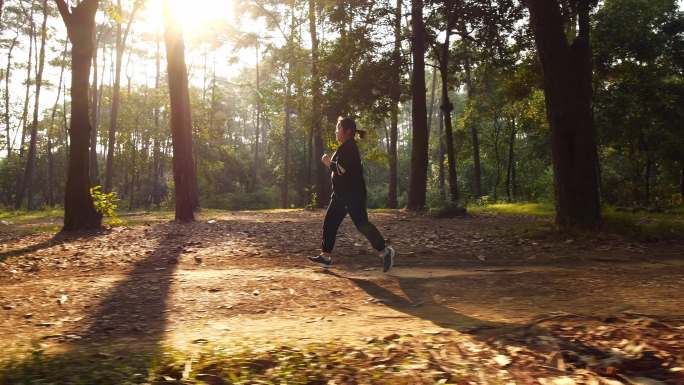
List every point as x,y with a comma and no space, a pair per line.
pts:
267,83
174,176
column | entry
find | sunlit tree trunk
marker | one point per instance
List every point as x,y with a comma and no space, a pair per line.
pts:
8,72
181,119
255,166
94,177
447,107
419,148
156,155
567,86
26,183
79,211
29,66
475,136
322,180
50,133
121,37
394,110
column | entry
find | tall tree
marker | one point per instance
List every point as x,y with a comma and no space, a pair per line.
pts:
442,55
322,180
26,183
8,72
94,105
394,107
181,119
419,148
79,210
567,66
470,89
121,38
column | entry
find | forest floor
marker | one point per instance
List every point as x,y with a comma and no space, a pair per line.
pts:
480,299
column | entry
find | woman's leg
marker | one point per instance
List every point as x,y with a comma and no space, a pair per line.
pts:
333,218
359,214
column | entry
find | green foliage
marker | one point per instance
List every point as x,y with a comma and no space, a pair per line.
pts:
105,204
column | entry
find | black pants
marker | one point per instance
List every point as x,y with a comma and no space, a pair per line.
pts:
356,208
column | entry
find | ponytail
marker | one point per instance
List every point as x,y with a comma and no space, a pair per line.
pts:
348,123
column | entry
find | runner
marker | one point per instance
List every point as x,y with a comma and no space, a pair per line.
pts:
349,197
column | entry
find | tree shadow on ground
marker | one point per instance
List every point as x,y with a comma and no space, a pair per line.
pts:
124,339
55,240
419,303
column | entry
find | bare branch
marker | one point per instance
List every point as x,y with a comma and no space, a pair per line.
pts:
64,11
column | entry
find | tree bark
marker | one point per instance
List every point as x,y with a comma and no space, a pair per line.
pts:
94,177
51,167
26,183
322,180
394,112
568,90
24,115
475,136
181,119
419,150
446,108
440,158
8,71
121,38
510,174
681,182
79,211
156,152
255,166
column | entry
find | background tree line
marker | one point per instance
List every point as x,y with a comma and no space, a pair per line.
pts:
465,101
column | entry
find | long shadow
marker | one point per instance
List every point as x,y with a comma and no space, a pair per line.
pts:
55,240
124,340
419,304
135,307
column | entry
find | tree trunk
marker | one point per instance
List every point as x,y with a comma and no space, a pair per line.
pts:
156,155
431,111
181,120
8,71
51,163
497,155
121,38
681,182
288,96
79,211
24,115
447,107
510,174
255,166
568,90
94,178
394,112
26,184
322,179
284,201
440,158
477,168
419,150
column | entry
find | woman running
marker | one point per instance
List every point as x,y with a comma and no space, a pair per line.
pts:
349,197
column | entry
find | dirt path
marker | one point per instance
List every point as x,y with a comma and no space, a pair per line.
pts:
242,276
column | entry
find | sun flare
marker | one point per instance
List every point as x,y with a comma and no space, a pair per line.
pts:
194,15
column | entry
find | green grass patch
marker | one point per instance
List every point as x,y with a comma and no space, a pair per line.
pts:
526,209
20,217
637,225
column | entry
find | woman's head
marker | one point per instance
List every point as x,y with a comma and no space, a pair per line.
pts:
346,129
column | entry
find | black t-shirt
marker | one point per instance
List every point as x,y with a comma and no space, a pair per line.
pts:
347,171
